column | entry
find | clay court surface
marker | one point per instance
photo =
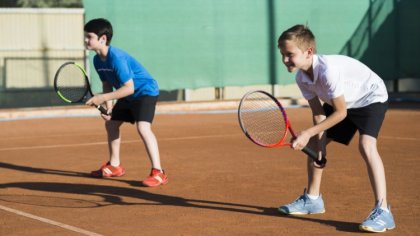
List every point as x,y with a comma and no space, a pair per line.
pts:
220,183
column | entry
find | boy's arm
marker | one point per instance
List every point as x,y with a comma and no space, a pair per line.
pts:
320,122
340,112
107,88
124,91
318,115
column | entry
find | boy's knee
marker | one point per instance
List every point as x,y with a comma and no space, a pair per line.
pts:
112,126
144,128
367,147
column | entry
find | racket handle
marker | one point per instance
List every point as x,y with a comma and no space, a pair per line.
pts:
314,156
102,109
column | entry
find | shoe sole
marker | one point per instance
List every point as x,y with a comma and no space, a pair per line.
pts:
300,213
119,175
162,183
106,176
370,229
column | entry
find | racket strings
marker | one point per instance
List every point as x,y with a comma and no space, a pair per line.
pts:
262,119
71,83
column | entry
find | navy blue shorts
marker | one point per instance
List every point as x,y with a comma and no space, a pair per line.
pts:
367,120
142,109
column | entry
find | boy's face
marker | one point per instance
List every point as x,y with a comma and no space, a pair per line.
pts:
294,58
92,42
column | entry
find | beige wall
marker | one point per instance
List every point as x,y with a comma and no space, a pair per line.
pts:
205,94
33,34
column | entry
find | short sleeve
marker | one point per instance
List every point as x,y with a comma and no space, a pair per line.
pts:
123,71
96,65
332,83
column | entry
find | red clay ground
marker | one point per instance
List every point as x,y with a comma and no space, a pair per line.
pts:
220,183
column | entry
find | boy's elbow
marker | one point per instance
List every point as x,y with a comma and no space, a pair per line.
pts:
343,114
131,91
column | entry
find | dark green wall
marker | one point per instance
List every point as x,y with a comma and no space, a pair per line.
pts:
207,43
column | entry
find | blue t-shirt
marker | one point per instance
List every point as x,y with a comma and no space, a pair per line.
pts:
120,67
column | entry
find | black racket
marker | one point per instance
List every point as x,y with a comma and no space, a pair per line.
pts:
264,121
72,85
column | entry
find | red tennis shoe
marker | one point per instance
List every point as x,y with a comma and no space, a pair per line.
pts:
156,178
107,170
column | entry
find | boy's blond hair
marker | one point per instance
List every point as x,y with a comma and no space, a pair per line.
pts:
300,34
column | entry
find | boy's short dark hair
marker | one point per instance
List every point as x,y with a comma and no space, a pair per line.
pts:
300,34
100,26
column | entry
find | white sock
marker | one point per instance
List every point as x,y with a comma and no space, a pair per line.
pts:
313,197
115,163
385,209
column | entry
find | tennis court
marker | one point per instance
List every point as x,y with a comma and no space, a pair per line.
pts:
220,183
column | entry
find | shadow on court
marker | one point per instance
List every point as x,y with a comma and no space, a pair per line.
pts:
112,195
339,225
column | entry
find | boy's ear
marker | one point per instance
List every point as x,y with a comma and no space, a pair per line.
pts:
102,39
310,51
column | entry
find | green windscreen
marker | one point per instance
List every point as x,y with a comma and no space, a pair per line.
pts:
218,43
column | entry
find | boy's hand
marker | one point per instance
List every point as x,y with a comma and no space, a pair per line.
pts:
301,140
108,114
106,117
95,100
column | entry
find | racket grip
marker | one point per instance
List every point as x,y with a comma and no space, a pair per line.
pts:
314,156
102,109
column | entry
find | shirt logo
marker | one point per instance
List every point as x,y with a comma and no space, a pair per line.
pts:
105,70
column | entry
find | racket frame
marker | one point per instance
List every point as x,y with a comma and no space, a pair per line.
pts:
88,88
288,128
287,123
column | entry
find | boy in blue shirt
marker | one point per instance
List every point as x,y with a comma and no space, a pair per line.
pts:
123,79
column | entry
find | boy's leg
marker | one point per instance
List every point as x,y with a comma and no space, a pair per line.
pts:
143,111
114,141
381,218
375,167
157,175
310,202
314,173
112,168
314,178
145,131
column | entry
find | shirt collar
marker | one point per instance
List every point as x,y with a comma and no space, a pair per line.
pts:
315,68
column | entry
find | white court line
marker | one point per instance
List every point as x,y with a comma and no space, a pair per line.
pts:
105,143
399,138
52,146
163,139
51,222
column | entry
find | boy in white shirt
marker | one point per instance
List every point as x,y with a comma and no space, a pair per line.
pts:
345,96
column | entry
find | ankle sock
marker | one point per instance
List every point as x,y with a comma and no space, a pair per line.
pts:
114,163
385,209
313,197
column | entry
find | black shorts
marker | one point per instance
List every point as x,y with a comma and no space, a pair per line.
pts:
367,120
142,109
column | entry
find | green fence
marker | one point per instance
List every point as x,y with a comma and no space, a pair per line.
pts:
218,43
386,37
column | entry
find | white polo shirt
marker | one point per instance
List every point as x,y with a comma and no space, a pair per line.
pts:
336,75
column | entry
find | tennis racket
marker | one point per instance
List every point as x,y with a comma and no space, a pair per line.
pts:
264,121
72,85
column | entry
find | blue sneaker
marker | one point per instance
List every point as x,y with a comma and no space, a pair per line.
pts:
303,205
378,221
